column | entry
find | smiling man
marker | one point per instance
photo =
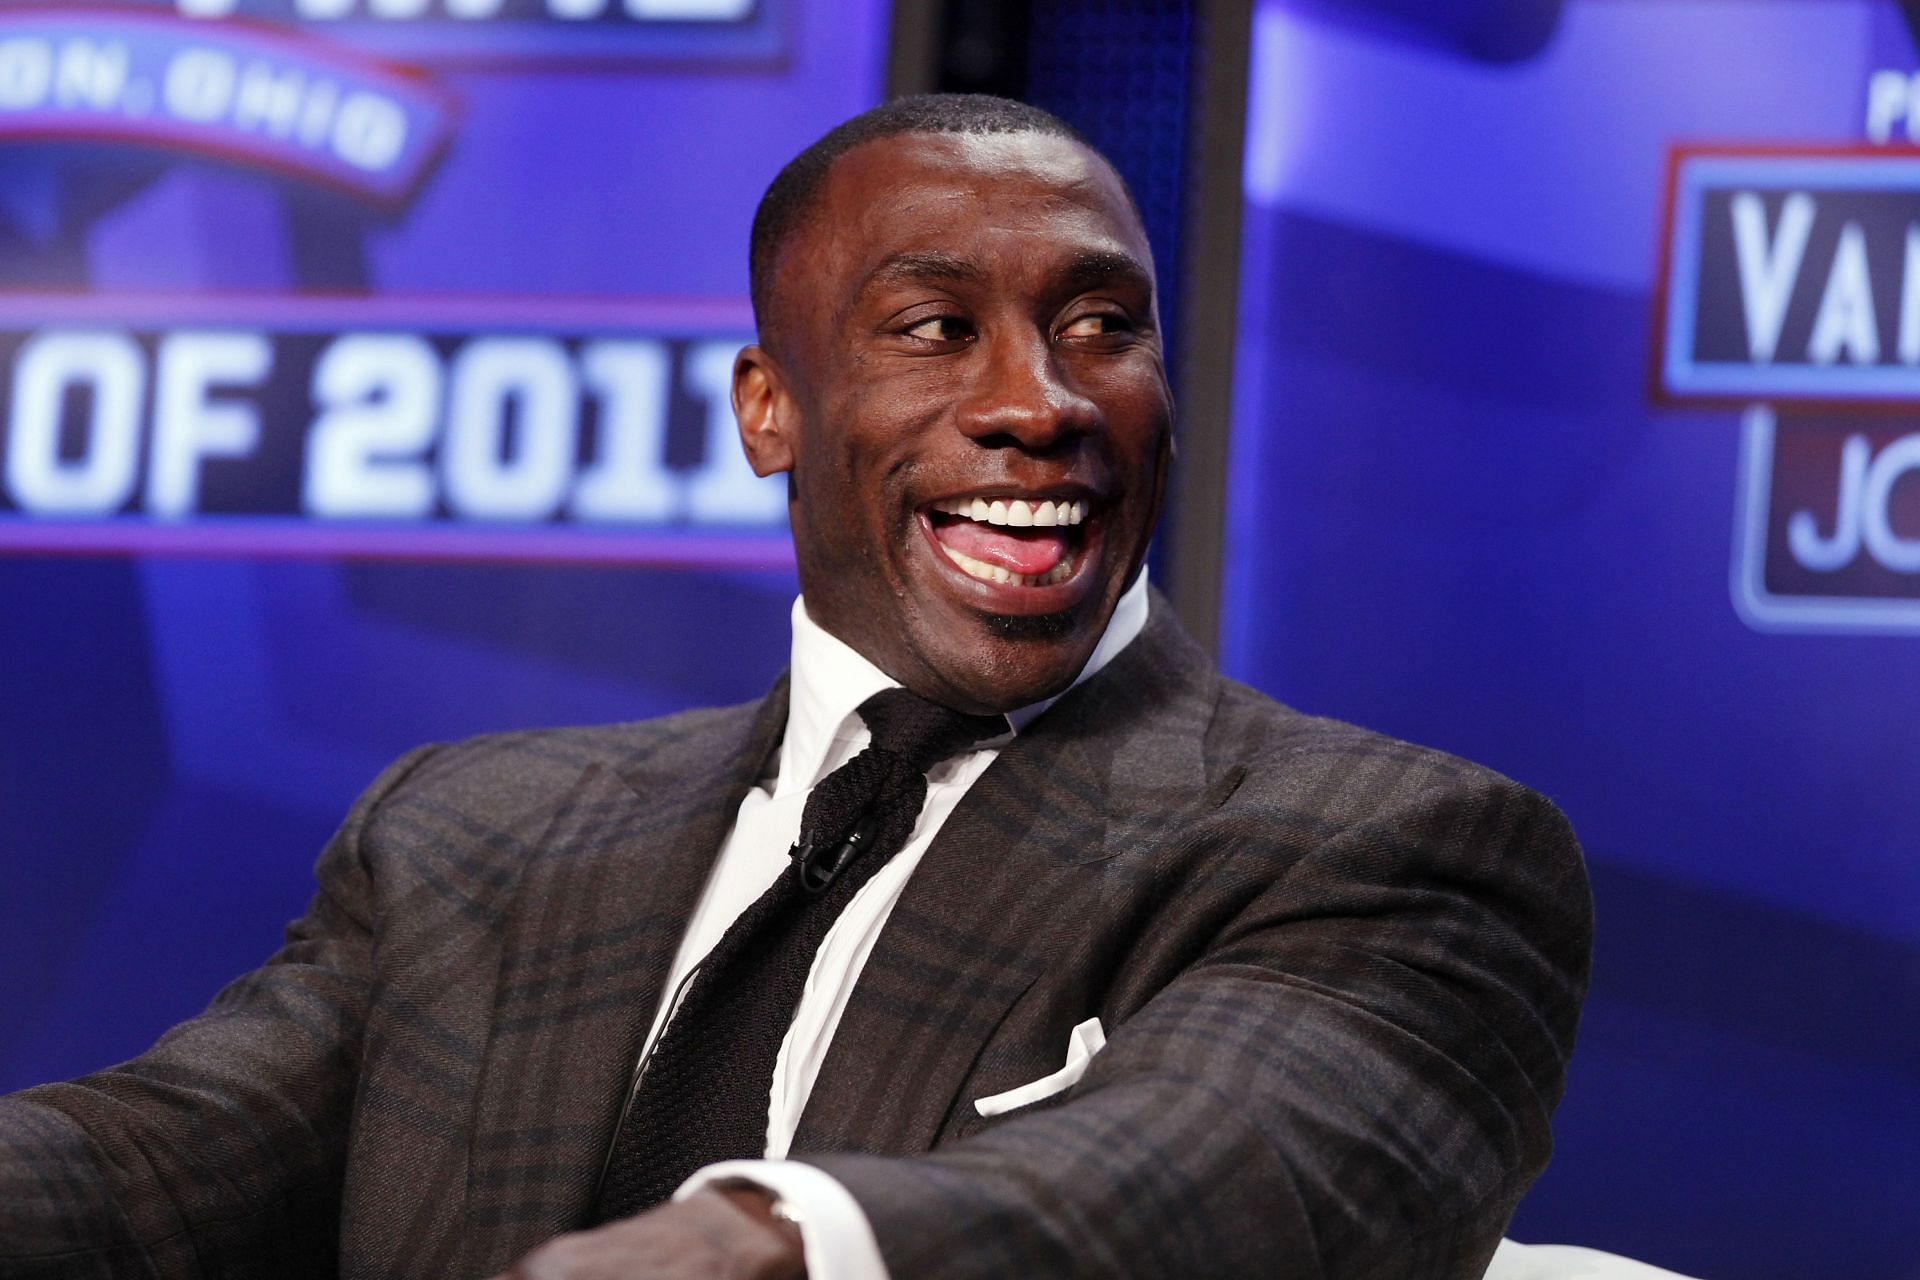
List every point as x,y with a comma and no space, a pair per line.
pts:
961,370
1004,937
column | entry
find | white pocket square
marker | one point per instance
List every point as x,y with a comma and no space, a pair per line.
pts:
1083,1042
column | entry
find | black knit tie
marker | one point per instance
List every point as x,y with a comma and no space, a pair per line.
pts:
705,1090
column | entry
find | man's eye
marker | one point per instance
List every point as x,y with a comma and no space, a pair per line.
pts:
941,329
1094,325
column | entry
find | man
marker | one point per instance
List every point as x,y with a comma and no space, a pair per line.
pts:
1316,988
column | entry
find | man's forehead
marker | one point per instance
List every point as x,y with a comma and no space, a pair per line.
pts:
931,192
1050,157
872,175
936,180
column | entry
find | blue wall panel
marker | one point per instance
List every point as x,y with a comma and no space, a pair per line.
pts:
189,701
1466,510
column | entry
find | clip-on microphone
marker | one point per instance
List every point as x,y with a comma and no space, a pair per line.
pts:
819,866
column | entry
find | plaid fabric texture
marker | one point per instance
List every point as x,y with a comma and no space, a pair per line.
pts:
1340,977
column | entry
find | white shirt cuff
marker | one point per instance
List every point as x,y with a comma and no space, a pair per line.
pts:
834,1232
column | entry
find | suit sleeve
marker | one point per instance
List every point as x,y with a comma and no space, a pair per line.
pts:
1352,1077
220,1150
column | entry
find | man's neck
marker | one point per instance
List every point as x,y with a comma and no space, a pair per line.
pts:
828,679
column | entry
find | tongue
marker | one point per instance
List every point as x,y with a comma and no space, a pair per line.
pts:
1021,550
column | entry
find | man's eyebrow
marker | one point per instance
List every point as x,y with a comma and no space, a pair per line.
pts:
925,266
1105,266
1087,270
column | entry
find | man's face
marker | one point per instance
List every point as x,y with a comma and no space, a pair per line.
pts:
970,397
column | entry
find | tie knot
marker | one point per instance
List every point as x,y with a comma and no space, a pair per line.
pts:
922,731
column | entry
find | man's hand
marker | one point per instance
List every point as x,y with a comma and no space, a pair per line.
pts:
716,1234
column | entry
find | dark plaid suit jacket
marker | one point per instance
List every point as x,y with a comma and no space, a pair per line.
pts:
1339,974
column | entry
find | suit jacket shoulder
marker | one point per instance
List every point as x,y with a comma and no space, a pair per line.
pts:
421,1080
502,778
529,890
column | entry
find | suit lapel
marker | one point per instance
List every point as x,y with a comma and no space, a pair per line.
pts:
586,950
1022,856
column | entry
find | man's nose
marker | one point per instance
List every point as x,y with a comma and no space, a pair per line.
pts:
1024,396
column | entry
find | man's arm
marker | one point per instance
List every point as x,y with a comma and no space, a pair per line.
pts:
1354,1079
219,1150
715,1234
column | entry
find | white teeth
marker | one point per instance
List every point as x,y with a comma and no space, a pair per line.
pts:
996,573
1015,513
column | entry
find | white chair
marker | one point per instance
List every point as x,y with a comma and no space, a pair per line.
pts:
1516,1261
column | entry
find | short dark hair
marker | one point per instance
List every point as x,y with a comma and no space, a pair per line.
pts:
796,189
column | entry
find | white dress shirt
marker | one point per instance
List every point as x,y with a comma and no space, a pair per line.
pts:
827,683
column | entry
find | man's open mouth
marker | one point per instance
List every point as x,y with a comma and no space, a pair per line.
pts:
1014,541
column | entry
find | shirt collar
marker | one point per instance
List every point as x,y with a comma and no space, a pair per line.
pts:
828,681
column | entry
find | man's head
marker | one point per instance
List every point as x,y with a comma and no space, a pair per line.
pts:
960,370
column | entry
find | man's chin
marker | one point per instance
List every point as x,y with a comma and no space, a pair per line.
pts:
1020,659
1032,626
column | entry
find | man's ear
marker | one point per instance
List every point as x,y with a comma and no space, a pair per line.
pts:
764,408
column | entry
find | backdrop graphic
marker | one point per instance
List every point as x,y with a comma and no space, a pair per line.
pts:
362,383
359,386
1576,433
